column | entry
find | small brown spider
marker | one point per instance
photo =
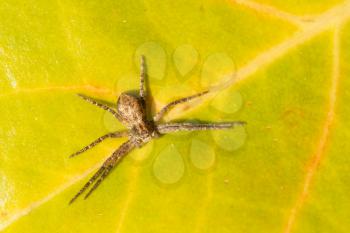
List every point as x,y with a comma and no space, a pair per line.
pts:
131,111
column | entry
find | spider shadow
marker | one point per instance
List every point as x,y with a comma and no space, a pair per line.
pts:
198,121
150,107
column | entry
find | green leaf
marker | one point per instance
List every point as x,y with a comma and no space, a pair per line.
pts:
281,67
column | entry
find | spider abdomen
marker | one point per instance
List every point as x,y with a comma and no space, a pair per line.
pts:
132,112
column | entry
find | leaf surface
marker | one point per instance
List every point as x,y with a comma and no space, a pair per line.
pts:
281,68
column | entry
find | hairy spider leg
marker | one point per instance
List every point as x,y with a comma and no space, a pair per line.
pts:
116,134
91,180
142,78
105,169
185,126
98,182
167,107
103,106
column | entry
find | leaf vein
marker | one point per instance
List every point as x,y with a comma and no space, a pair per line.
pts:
319,154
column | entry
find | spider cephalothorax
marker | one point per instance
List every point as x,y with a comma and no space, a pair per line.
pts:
132,112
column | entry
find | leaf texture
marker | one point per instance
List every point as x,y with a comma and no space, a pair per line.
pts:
281,67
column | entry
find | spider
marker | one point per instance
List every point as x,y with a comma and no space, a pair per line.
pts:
131,112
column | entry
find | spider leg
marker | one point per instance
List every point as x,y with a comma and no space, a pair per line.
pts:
99,140
174,127
98,182
105,169
103,106
167,107
91,180
142,78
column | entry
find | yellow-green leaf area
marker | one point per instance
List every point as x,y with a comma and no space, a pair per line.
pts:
303,8
285,75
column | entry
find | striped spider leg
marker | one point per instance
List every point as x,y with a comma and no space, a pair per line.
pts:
187,126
